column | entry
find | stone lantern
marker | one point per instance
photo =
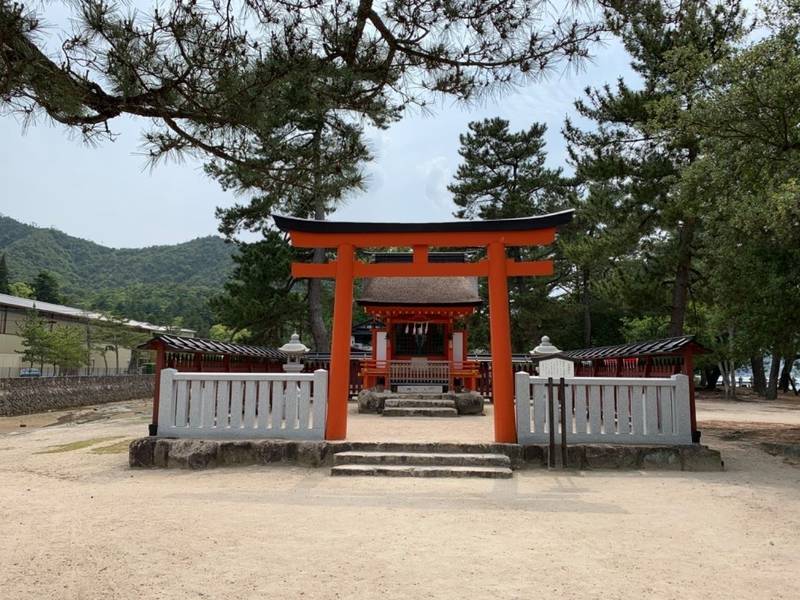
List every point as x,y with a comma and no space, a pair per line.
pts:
294,350
545,347
549,361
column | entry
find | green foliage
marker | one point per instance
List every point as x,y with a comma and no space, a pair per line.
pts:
638,148
35,335
20,289
275,95
208,75
67,348
223,333
176,305
503,174
46,288
113,334
260,296
82,265
4,285
155,284
63,346
648,327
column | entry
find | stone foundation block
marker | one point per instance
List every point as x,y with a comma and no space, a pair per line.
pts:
231,453
271,451
202,454
611,457
193,454
141,452
468,403
666,458
701,458
371,401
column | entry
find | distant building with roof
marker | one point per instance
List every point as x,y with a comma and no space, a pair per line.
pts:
15,310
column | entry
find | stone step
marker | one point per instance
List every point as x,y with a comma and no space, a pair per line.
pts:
450,459
420,412
419,403
421,471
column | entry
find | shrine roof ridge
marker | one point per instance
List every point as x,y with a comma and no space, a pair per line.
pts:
547,221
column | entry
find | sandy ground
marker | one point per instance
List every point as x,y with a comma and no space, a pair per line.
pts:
77,523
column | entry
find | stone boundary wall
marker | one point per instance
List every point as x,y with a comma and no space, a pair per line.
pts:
204,454
23,396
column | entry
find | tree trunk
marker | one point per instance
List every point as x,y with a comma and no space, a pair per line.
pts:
759,379
725,382
728,370
133,362
712,376
317,320
772,384
586,300
788,363
680,290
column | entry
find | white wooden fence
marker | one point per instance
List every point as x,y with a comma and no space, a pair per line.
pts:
609,410
243,405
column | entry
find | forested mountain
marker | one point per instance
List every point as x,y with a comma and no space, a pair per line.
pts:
161,284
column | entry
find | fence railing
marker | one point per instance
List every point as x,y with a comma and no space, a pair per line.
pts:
412,372
243,405
609,410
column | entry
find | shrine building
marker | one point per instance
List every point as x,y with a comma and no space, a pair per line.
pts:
419,334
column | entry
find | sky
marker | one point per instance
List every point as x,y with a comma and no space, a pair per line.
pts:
108,194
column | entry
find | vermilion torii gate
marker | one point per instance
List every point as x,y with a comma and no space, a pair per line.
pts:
494,235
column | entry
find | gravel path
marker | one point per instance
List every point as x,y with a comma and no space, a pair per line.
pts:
76,522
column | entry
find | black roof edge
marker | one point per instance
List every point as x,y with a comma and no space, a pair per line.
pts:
521,224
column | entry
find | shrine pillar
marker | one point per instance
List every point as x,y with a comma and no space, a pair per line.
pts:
339,388
505,425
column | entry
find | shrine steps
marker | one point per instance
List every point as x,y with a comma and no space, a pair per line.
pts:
421,464
419,407
419,402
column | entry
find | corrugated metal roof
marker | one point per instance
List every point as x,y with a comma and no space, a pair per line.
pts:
672,345
75,313
175,343
199,345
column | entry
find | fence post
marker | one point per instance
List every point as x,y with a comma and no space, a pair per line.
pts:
562,409
551,426
683,416
320,401
166,406
522,397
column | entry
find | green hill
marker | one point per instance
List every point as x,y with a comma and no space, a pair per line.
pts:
160,284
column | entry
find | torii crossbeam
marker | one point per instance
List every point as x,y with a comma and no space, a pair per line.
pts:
493,235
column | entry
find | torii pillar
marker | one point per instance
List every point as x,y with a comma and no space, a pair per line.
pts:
493,235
